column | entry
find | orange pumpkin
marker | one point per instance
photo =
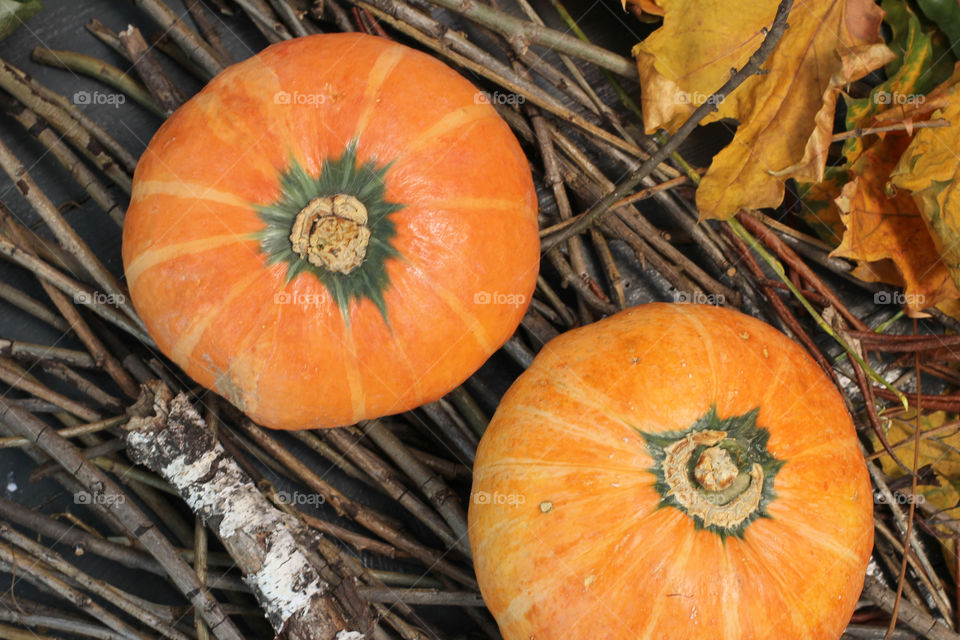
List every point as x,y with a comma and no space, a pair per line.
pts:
671,472
336,229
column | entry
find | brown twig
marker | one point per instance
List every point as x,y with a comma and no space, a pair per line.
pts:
860,132
910,614
430,484
167,96
40,130
67,237
100,70
362,515
386,477
82,133
208,31
197,49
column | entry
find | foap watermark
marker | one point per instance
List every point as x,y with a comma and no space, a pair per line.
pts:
99,97
698,297
99,297
899,298
85,497
300,498
299,98
899,498
299,299
497,97
496,297
897,98
696,98
507,499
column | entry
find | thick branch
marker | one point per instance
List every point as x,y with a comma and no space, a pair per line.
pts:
171,438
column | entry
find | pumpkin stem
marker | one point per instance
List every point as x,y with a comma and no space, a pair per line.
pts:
715,469
331,232
724,497
718,471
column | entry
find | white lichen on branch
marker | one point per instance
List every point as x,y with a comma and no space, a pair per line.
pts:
169,436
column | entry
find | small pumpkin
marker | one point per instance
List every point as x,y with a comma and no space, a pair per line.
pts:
335,229
673,471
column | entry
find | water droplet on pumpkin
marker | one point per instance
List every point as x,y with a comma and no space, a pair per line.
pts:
546,506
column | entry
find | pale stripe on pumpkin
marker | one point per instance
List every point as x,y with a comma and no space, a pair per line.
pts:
184,346
456,120
236,380
185,190
351,365
454,303
665,583
382,68
403,354
816,537
153,257
581,393
731,629
588,431
479,203
763,549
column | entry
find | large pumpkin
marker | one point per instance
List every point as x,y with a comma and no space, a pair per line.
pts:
671,472
338,228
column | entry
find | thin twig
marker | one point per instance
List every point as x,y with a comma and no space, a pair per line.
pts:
167,96
196,48
100,70
528,33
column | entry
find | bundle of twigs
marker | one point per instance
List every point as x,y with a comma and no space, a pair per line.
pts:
304,545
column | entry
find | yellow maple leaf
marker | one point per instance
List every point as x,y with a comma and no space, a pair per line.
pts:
785,115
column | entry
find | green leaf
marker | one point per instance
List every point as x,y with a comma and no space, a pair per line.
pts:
946,15
916,74
13,13
901,19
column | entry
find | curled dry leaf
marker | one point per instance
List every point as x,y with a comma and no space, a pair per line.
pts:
786,115
884,225
927,170
855,206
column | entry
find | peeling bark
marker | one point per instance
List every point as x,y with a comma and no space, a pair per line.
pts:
169,437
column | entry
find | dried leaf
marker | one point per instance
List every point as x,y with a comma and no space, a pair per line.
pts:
820,210
786,115
881,228
928,169
886,225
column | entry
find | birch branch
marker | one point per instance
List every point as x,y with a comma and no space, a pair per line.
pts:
168,436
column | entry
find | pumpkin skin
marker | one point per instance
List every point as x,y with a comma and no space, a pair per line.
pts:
452,249
572,534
